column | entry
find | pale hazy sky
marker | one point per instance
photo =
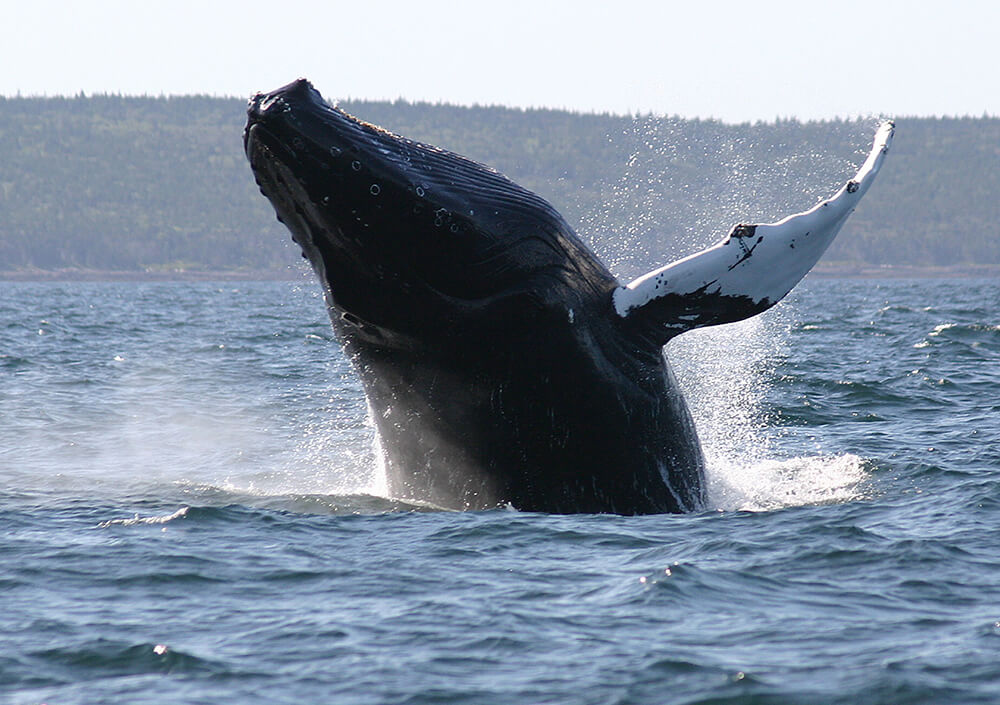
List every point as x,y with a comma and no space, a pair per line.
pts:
748,60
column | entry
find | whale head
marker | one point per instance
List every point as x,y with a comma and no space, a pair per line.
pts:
412,243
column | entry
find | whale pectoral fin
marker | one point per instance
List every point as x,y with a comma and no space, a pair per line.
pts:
750,270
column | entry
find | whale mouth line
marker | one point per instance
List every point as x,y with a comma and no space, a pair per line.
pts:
261,143
273,165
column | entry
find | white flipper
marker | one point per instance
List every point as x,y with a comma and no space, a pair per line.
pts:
750,270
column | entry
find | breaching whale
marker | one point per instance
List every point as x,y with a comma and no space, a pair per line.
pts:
502,362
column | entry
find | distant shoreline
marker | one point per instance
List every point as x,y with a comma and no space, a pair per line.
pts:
173,275
822,271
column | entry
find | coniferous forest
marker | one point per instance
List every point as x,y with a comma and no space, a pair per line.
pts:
118,183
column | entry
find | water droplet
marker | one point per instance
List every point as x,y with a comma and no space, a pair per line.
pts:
335,151
375,189
454,227
420,191
356,165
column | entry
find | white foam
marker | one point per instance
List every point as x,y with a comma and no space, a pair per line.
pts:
774,484
726,374
138,520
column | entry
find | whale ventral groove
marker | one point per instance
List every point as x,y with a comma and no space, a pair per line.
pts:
502,362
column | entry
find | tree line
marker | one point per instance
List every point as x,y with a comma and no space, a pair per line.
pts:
155,183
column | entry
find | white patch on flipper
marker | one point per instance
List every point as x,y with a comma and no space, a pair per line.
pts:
759,262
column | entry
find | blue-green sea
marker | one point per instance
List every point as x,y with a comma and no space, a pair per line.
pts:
191,511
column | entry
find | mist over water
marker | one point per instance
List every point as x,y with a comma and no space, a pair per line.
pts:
144,385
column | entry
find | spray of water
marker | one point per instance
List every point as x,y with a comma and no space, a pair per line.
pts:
328,446
680,191
726,373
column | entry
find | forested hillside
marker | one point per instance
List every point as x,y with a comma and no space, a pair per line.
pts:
131,183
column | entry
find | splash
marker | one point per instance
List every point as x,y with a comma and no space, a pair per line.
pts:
333,452
727,373
680,191
774,484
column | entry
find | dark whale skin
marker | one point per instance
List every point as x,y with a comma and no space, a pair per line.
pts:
495,366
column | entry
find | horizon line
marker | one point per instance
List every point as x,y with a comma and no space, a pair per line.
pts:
857,117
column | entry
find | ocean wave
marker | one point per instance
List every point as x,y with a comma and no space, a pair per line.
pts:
138,520
108,658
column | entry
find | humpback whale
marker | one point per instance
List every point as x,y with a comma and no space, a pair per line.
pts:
503,364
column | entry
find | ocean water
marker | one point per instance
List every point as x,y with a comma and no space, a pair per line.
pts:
191,512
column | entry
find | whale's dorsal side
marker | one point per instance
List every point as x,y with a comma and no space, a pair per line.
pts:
752,269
